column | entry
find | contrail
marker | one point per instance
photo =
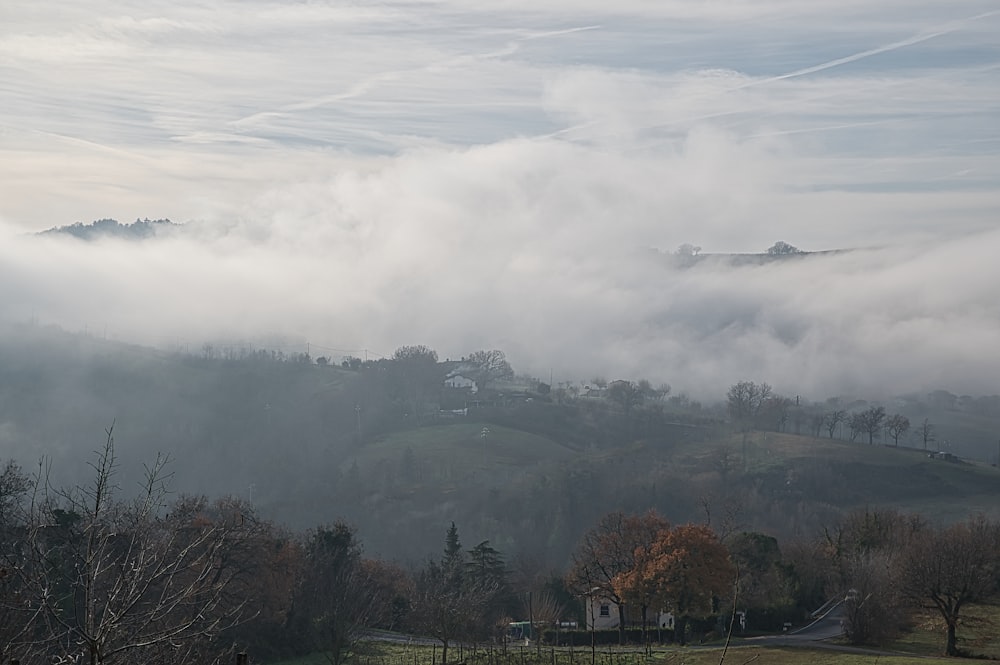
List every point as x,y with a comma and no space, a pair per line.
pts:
556,33
916,39
825,128
910,41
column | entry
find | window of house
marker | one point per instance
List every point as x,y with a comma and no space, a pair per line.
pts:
605,610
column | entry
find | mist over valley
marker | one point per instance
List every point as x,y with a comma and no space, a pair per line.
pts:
534,282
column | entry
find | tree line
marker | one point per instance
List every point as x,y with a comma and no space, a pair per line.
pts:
752,405
881,565
96,575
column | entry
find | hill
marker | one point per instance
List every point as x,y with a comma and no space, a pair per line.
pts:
310,443
110,228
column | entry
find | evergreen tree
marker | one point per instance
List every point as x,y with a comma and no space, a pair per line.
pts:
452,546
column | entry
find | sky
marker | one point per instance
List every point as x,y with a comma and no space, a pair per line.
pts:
466,175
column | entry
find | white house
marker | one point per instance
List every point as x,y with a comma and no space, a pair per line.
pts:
461,382
602,614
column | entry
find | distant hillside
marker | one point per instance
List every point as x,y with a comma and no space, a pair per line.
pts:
310,443
140,229
688,256
535,496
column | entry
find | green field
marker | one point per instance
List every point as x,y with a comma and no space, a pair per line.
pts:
735,655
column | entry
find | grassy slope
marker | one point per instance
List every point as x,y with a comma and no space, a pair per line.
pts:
519,489
848,475
895,477
288,431
463,444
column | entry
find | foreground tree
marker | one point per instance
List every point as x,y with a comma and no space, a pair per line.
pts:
608,553
485,568
637,586
865,549
447,603
947,569
17,615
766,583
123,581
336,599
691,571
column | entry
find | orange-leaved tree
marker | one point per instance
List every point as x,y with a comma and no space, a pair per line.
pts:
690,570
608,552
640,585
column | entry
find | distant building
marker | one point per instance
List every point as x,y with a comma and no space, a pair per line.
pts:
943,455
461,383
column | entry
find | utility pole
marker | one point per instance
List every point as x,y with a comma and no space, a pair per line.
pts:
357,411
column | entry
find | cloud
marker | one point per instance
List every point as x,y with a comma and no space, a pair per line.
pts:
470,175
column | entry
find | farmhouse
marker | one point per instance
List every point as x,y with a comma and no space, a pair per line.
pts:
602,614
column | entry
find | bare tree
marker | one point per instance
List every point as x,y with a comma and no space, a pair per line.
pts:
946,569
856,423
871,421
926,432
832,419
490,366
17,614
871,604
117,580
626,394
897,425
775,412
817,419
726,516
865,548
745,400
545,609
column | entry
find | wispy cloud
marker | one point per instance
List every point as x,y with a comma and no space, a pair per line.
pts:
471,174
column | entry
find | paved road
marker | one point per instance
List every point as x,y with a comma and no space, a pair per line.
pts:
399,638
827,627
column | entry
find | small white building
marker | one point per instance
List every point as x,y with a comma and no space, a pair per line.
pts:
461,382
602,614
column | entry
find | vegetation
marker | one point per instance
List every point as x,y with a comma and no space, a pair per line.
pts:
645,498
102,228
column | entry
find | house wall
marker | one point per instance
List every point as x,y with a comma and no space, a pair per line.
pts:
599,619
459,381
